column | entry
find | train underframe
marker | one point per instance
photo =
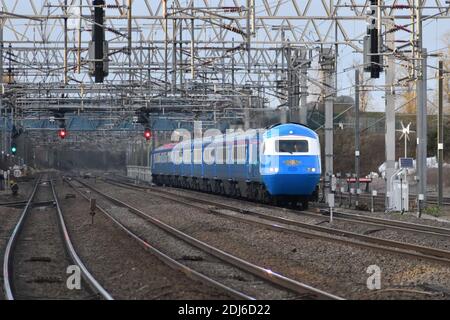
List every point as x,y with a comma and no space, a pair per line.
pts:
250,190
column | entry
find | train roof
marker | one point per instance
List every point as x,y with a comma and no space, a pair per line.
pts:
279,129
288,123
290,128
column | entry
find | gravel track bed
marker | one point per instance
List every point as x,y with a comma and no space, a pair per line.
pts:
364,200
408,217
379,204
8,220
40,261
195,258
25,189
382,232
397,216
340,269
119,263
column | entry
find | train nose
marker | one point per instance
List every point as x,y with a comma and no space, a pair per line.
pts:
291,175
291,184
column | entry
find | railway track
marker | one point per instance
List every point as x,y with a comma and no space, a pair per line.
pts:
21,204
434,200
341,215
271,280
43,238
379,200
306,229
392,224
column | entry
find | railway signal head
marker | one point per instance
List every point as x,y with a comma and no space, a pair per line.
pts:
13,148
372,42
147,134
62,133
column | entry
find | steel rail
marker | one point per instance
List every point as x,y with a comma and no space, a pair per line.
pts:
380,198
345,216
339,215
367,241
95,285
265,274
172,263
348,217
7,261
394,224
7,267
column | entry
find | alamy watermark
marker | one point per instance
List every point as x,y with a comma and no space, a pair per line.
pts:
215,147
74,279
374,280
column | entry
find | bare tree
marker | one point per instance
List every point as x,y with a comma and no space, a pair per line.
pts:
408,90
365,96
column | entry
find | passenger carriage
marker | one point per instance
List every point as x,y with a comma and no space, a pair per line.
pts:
273,165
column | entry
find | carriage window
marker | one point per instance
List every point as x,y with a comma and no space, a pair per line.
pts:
220,159
241,153
291,146
198,155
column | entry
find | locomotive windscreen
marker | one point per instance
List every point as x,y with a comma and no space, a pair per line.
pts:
291,146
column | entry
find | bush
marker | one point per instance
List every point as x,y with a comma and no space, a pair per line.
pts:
434,211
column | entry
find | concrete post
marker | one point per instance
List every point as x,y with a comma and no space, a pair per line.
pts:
421,112
357,135
390,114
327,63
440,146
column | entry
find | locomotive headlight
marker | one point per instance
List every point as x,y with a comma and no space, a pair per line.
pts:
274,170
311,169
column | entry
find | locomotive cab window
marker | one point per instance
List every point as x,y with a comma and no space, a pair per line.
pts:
291,146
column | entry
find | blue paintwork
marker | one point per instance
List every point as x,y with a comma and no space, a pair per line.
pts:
292,180
290,128
289,180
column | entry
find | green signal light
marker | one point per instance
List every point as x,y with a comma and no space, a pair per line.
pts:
13,149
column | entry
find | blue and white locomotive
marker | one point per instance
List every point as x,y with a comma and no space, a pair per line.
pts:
280,164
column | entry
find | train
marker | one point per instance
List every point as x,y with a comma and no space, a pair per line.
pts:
277,165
